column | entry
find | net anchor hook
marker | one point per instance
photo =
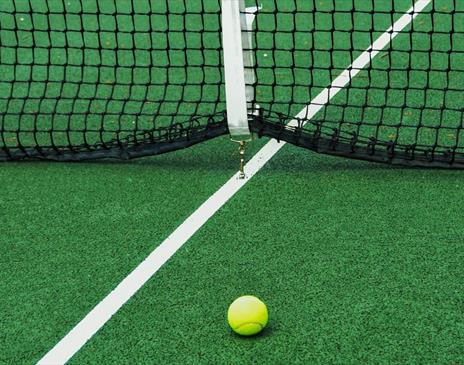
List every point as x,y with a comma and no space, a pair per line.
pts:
241,151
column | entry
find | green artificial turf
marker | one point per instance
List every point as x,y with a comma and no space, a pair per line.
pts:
358,263
71,232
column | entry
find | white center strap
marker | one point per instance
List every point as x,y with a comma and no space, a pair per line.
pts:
238,67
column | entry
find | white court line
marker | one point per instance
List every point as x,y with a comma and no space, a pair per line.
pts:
103,311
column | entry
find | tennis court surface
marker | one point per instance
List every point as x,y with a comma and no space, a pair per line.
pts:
111,261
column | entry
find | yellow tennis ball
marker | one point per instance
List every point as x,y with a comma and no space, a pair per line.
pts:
247,315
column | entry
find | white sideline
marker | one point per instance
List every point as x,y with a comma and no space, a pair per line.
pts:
103,311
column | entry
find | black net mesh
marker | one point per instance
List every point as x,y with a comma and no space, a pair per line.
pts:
405,106
96,78
91,79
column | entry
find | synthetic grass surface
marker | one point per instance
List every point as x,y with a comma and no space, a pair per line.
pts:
71,232
358,264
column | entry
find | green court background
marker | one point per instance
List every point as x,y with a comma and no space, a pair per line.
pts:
358,263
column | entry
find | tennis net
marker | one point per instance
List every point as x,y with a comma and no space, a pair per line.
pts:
123,79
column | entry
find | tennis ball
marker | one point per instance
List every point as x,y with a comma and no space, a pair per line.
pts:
247,315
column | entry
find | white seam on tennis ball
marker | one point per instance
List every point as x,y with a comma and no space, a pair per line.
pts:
243,324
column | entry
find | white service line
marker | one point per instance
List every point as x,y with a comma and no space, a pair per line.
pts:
362,61
103,311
